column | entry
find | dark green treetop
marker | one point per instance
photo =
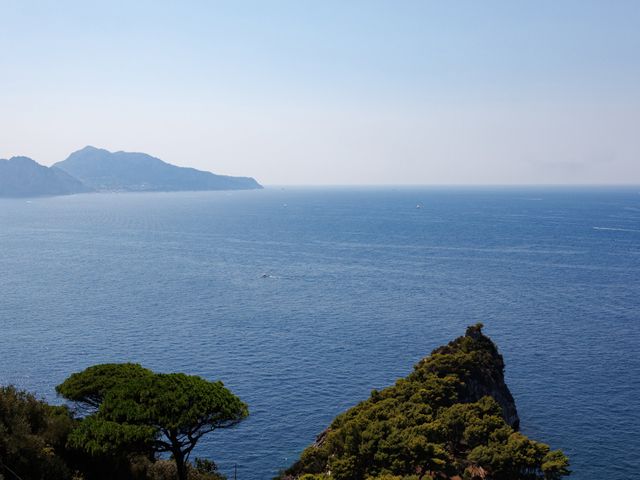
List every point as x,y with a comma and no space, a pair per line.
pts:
144,411
89,387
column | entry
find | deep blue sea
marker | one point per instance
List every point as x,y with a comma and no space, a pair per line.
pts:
360,285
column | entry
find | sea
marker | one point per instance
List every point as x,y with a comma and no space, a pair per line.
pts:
303,300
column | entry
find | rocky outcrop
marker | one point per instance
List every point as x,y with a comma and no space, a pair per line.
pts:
452,417
486,378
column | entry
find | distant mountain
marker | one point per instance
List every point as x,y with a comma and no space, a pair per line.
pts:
125,171
23,177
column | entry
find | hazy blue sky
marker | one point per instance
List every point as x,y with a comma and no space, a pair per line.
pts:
331,92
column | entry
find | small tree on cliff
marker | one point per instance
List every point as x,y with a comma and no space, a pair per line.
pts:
136,409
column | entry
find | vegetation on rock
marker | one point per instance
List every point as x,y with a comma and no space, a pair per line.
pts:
451,418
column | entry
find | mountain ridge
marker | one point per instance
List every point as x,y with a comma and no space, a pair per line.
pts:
24,177
103,170
92,169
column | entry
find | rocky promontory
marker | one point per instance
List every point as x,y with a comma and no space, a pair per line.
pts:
452,418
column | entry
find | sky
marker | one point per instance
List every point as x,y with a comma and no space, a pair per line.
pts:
329,92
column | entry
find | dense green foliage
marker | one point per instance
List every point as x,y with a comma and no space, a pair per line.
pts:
39,441
137,410
32,437
89,387
439,422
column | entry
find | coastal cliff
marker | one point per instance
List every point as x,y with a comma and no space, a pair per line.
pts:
453,418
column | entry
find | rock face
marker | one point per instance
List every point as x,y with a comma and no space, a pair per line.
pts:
125,171
486,379
453,417
23,177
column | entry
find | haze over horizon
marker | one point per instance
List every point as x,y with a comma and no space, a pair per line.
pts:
331,92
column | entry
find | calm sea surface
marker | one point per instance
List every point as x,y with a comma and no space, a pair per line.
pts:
361,284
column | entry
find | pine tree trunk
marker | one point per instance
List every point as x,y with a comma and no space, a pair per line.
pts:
181,467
